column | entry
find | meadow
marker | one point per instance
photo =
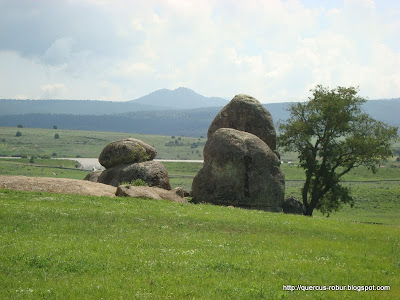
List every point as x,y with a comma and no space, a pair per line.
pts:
76,143
76,247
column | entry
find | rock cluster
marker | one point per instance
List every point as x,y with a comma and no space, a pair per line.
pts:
128,160
241,167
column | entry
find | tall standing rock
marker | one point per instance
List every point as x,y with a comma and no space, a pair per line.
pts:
246,113
240,170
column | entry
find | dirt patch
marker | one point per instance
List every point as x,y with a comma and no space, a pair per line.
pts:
56,185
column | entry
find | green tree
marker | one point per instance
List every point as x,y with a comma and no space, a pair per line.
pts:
332,135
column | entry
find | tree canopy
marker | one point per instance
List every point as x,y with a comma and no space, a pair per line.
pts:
332,135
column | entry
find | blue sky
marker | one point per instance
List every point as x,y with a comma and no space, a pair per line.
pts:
273,50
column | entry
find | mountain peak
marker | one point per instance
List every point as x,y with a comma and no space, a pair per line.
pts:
180,98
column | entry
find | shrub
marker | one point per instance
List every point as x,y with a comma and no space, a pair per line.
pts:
45,157
138,182
32,159
24,156
55,127
20,126
19,133
54,154
56,136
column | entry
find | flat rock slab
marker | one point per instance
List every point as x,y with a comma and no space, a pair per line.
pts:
56,185
148,192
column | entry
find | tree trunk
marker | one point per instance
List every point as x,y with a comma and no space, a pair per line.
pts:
309,210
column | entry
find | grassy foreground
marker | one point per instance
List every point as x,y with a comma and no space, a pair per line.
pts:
74,247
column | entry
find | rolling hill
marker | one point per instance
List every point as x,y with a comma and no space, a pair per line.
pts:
164,99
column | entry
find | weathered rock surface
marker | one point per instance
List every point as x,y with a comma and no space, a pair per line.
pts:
126,151
240,170
152,172
293,206
56,185
148,192
246,113
93,176
181,192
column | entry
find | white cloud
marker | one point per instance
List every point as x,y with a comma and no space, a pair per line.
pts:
54,90
275,50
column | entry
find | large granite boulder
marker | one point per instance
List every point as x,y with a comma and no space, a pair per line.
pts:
239,170
126,151
152,172
246,113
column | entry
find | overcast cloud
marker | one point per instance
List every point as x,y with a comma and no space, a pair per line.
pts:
274,50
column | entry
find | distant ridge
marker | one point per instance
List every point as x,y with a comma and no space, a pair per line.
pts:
188,122
164,99
180,98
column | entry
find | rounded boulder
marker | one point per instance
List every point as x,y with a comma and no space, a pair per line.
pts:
153,173
246,113
293,206
126,151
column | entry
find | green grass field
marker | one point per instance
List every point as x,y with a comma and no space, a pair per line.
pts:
88,143
41,168
377,195
75,247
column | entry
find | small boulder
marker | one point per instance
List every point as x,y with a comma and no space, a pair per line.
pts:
293,206
153,173
181,192
126,151
93,176
246,113
239,170
148,192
